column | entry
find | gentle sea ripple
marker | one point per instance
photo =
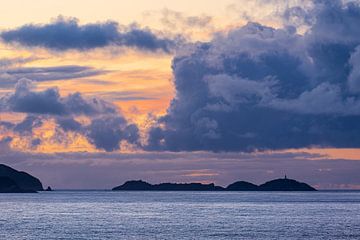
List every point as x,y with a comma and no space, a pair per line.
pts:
180,215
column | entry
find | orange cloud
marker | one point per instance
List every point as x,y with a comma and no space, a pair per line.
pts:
330,153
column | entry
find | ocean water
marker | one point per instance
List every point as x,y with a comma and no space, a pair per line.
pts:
180,215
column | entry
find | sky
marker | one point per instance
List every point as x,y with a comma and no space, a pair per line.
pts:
94,93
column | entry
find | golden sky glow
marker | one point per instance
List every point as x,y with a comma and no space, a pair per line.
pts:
93,10
229,100
138,83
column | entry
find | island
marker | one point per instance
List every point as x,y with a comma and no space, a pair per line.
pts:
139,185
281,184
13,181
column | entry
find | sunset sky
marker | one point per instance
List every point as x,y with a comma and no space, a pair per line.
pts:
94,93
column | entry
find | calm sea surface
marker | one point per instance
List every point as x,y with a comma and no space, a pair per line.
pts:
180,215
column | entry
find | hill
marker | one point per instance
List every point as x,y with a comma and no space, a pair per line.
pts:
283,184
23,180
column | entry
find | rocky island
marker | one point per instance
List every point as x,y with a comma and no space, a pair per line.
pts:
283,184
13,181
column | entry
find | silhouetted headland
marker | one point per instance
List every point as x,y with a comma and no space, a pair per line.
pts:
283,184
13,181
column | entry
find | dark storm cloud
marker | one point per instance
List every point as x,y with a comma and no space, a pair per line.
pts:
28,124
66,34
68,124
106,133
7,125
263,88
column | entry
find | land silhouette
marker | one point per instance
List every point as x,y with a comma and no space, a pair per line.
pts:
13,181
281,184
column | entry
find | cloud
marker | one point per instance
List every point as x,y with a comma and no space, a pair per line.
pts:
253,88
49,101
66,34
10,75
28,124
25,127
174,19
106,133
124,95
177,23
354,76
54,73
297,16
324,99
258,88
9,62
68,124
106,130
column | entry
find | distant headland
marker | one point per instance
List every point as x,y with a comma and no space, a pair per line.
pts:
281,184
13,181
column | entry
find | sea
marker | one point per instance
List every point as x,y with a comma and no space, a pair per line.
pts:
180,215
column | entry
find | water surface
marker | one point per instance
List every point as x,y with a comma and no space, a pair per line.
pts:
180,215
